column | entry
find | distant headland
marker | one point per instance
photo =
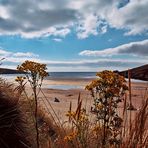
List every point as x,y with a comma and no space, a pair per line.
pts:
9,71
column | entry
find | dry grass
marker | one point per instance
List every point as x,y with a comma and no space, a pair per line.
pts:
137,134
12,126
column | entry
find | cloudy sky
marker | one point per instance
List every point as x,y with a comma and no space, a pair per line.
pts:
74,35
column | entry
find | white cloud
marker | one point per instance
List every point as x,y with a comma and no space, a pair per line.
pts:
4,13
132,17
104,63
90,17
34,18
79,65
60,32
91,25
16,56
12,59
57,39
18,60
4,52
139,48
25,54
88,26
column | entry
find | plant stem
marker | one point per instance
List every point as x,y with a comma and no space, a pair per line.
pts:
36,117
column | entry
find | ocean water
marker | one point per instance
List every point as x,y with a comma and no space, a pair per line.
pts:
71,75
58,75
62,75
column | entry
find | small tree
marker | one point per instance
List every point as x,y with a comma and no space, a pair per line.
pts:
107,91
34,73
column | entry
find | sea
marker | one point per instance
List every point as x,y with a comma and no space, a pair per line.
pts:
62,76
71,75
58,76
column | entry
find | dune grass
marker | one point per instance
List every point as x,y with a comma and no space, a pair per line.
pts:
13,131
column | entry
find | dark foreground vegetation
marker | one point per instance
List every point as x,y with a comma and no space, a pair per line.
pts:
12,126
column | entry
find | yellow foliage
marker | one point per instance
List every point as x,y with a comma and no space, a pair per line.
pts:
71,136
108,82
34,68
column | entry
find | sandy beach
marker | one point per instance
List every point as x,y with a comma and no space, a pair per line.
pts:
65,96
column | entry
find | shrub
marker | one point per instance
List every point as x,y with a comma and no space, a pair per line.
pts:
34,73
107,91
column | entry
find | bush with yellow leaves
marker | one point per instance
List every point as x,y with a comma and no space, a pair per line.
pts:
107,91
34,74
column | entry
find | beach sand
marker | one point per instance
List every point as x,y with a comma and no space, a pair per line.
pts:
71,95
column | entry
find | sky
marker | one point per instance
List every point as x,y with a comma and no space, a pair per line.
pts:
74,35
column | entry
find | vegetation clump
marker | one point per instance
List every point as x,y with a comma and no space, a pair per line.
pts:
80,124
13,132
107,91
34,74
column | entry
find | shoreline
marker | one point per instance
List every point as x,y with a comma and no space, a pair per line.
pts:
74,83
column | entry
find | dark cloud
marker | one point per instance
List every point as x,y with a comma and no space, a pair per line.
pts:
8,25
135,48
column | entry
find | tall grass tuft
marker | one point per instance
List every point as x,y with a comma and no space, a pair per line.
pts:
138,135
12,128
